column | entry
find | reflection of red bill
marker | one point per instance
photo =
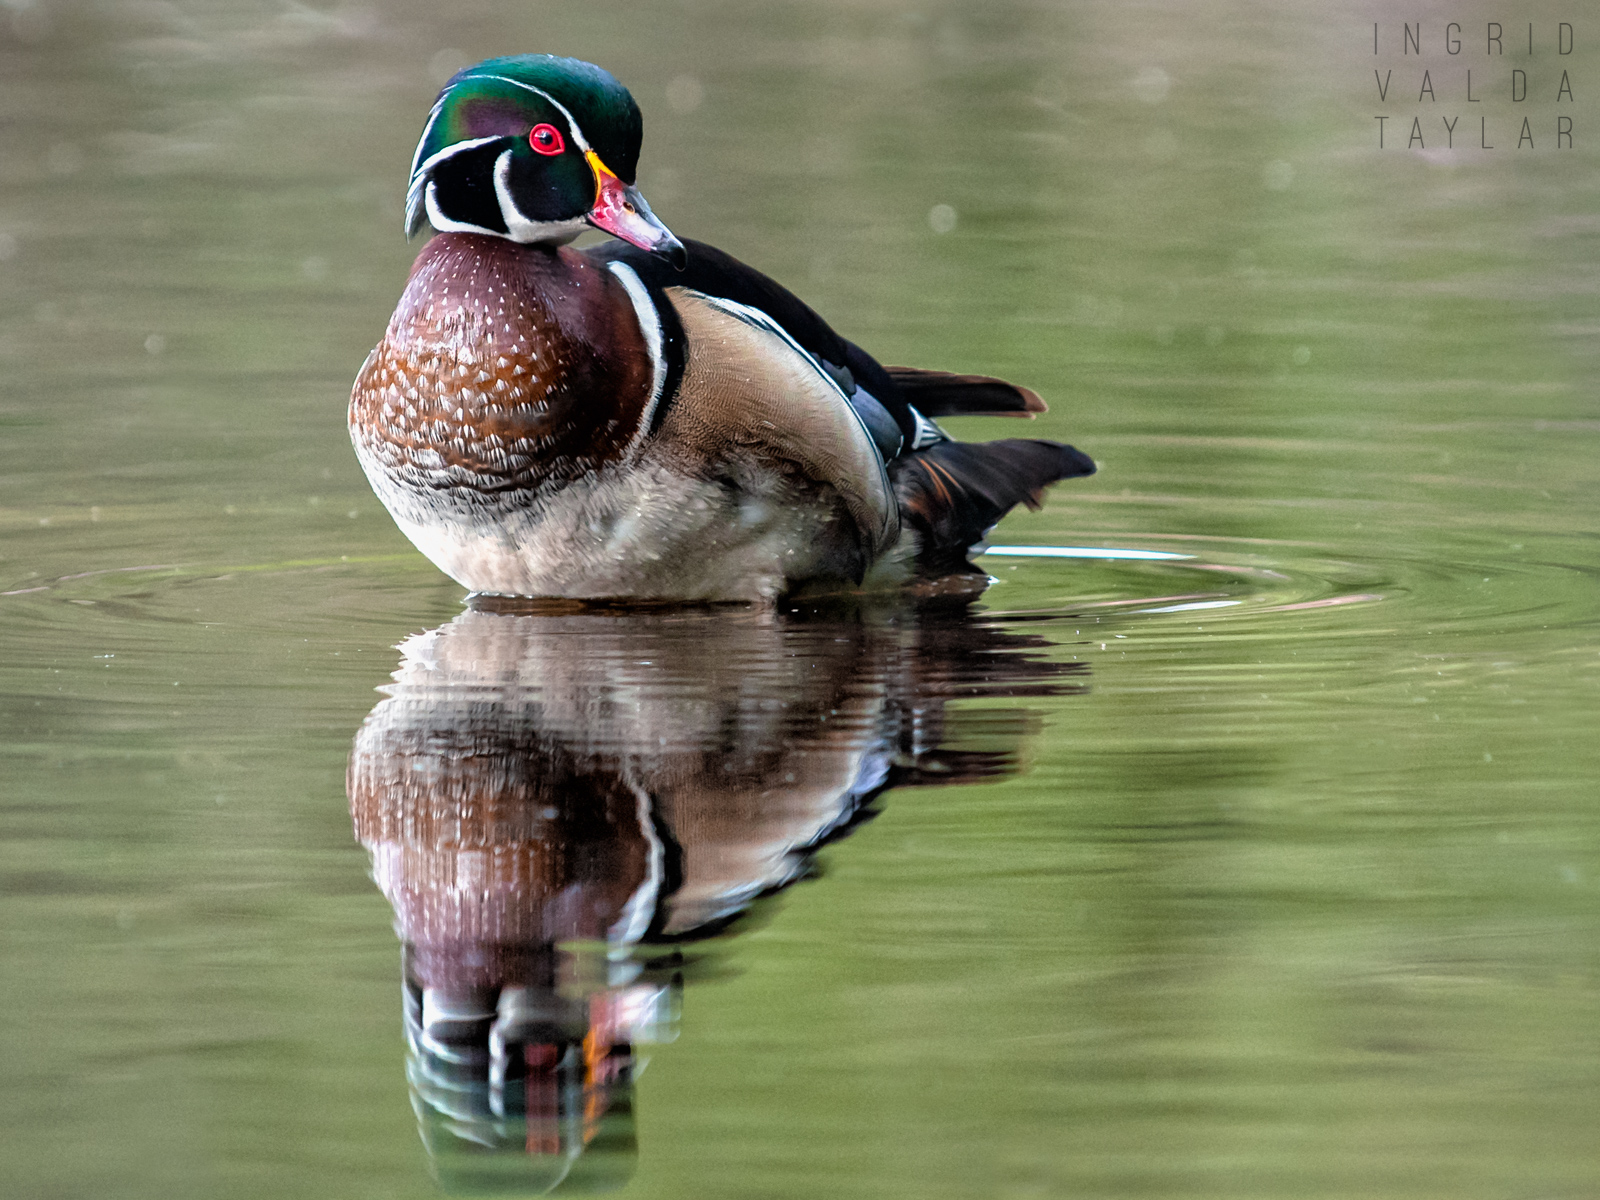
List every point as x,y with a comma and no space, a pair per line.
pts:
621,210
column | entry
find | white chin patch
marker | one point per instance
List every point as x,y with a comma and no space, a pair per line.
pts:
548,233
518,227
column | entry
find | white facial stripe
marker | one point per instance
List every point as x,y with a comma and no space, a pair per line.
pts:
649,325
422,177
433,117
518,227
577,133
454,149
515,222
444,224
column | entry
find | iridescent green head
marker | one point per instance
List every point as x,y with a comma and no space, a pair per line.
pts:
534,149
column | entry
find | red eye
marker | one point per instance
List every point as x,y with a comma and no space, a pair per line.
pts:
547,139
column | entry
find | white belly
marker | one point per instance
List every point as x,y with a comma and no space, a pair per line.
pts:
640,532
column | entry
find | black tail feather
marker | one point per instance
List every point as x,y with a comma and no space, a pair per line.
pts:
953,493
941,394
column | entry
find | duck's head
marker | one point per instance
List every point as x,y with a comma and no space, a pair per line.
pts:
535,149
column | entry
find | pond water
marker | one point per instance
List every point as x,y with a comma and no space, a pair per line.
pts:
1256,854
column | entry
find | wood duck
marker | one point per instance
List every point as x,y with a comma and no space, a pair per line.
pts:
649,419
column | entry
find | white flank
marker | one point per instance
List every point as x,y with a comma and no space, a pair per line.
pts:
761,320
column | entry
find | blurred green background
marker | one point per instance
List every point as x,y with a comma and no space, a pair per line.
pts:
1296,901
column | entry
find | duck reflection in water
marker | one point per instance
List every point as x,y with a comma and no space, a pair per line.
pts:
558,803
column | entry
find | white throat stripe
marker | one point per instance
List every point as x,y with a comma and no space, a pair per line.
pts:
649,325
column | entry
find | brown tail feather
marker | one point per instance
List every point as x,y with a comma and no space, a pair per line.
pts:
941,394
953,493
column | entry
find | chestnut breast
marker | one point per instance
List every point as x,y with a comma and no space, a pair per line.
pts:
504,368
